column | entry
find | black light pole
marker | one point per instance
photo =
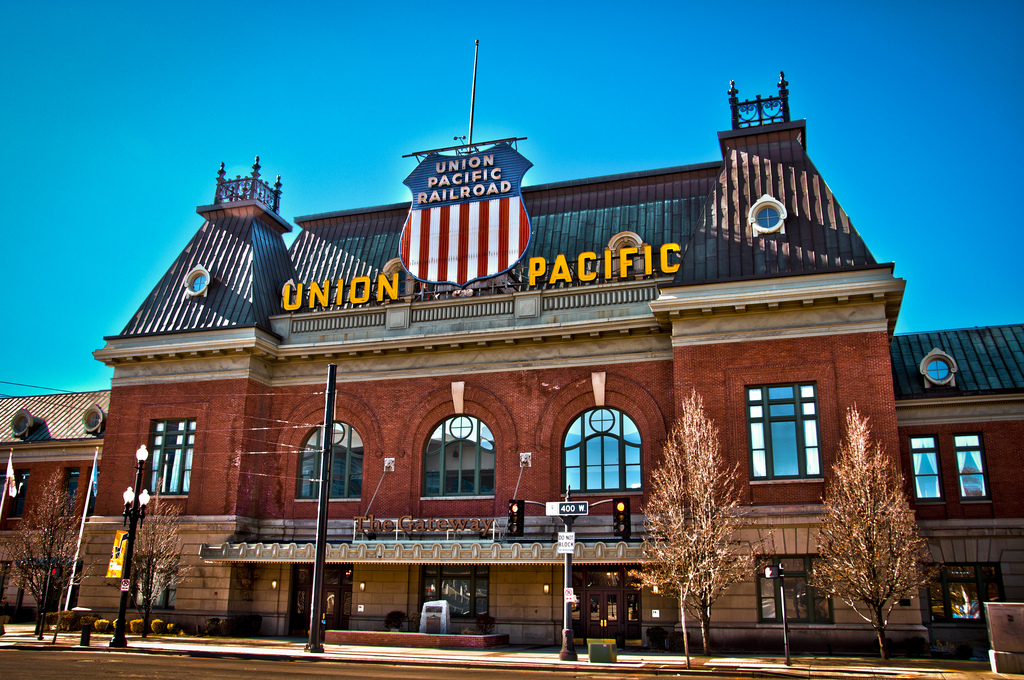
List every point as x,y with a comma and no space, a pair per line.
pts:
134,513
314,644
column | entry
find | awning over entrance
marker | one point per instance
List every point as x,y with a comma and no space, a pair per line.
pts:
447,552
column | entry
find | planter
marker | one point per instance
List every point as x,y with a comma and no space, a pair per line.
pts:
391,639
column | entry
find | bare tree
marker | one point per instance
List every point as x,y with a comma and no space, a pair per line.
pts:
46,538
693,520
156,560
871,556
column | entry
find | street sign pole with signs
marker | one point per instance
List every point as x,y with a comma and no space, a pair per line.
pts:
572,511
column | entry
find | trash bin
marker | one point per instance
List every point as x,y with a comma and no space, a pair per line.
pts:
603,652
86,633
433,625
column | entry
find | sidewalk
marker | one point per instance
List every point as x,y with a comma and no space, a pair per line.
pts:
520,657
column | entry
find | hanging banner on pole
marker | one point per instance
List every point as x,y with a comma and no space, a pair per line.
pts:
116,566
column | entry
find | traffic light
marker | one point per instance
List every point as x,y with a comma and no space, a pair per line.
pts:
621,519
772,570
56,571
516,518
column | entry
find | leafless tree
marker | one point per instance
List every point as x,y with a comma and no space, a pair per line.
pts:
156,560
693,520
871,556
45,538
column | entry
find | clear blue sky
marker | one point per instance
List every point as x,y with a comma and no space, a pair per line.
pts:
114,118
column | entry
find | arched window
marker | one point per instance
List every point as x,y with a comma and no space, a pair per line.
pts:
601,452
459,459
346,463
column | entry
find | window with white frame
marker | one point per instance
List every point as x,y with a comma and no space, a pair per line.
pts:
925,461
970,465
783,427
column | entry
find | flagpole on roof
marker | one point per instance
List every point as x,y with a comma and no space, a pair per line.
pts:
472,97
81,529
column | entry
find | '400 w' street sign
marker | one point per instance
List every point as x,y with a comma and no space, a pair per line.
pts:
562,509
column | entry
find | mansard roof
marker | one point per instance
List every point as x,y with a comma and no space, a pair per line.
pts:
241,247
58,416
989,360
701,207
818,235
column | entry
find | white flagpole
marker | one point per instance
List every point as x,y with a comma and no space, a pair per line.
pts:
81,529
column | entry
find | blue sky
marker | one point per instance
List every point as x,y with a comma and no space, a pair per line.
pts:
115,117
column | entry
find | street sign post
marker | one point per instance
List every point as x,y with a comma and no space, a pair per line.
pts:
566,509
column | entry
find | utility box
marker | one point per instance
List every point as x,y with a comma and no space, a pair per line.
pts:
1005,623
435,618
602,651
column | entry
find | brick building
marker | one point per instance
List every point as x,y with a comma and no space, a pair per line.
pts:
742,279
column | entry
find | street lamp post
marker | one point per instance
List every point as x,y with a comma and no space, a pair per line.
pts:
134,513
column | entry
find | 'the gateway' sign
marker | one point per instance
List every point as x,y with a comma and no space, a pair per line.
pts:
467,220
410,524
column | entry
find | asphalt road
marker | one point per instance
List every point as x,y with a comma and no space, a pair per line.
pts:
75,665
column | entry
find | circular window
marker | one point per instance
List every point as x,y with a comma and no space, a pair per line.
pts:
460,428
767,218
602,420
93,419
197,282
938,369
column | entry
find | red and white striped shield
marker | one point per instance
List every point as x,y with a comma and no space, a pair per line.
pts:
467,221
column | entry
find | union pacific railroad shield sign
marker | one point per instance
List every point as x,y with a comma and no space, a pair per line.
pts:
467,221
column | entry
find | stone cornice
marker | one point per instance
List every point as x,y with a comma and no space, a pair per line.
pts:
959,409
842,290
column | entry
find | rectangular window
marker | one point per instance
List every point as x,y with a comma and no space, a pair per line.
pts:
783,426
21,484
803,603
463,586
970,465
925,460
171,444
71,486
959,592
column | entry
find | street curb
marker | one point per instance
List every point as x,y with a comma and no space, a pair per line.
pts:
497,663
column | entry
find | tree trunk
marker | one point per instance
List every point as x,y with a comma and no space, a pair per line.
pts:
883,645
705,629
682,616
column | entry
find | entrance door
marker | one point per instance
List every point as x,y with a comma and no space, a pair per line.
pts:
335,602
603,616
608,604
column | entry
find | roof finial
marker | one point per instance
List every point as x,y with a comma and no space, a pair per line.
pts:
256,167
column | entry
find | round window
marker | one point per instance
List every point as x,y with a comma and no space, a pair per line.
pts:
767,218
197,281
938,369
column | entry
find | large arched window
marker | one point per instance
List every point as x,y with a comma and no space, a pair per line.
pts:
601,452
459,459
346,463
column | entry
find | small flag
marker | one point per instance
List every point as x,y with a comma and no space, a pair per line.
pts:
10,487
